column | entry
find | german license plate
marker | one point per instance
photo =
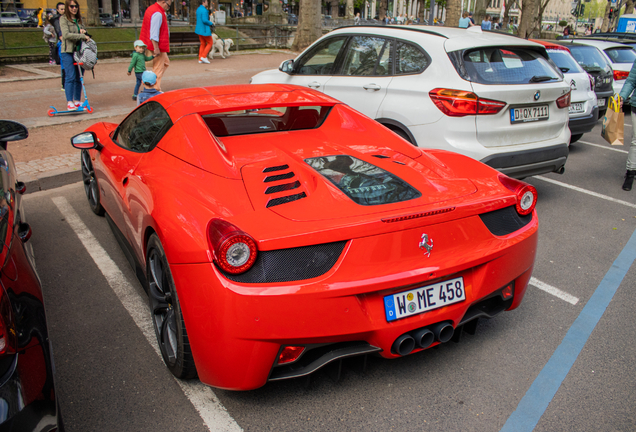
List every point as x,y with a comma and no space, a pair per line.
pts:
529,114
419,300
602,102
576,107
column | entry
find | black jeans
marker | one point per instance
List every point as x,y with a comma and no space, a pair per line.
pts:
138,84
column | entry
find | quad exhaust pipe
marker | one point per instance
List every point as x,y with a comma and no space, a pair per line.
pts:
441,332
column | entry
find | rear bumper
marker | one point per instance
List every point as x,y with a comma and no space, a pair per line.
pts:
585,124
236,331
525,163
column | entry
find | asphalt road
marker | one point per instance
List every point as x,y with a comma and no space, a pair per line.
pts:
109,376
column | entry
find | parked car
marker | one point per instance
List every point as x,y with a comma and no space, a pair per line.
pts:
10,19
594,62
620,56
106,19
490,96
584,106
280,230
27,387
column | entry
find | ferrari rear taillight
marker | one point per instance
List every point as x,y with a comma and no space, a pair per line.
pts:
459,103
508,291
234,250
620,75
290,354
526,194
564,101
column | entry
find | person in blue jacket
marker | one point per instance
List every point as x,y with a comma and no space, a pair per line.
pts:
627,96
204,30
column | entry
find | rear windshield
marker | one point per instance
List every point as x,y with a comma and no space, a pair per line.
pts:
589,57
270,119
364,183
514,65
565,61
621,55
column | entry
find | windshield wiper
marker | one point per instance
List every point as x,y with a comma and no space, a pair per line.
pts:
541,78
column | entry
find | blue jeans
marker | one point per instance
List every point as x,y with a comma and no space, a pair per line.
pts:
138,84
72,83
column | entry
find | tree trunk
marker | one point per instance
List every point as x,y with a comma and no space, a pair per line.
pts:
309,26
480,11
506,18
422,11
452,13
349,10
629,7
92,13
526,25
192,11
384,5
605,26
134,11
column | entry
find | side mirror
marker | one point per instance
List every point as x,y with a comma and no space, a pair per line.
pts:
287,66
12,131
85,141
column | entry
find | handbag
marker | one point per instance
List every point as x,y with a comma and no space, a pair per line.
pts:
613,122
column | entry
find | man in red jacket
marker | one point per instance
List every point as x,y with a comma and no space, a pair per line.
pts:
155,34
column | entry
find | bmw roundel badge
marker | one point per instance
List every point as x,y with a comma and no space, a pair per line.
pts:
537,95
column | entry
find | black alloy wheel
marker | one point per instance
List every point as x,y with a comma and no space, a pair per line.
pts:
165,310
90,184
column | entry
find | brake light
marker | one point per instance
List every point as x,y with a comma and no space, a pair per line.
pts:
620,75
459,103
526,194
564,101
235,251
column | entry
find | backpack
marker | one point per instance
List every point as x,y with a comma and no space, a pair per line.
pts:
87,54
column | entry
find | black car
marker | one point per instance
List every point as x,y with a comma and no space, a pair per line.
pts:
595,64
27,388
106,19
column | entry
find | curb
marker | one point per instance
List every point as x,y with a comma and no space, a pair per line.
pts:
51,179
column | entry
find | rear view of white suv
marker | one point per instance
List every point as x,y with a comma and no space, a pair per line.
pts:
493,97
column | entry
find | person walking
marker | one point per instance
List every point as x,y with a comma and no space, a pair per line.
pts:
627,95
464,21
204,30
150,87
156,35
138,64
486,24
356,20
73,33
51,39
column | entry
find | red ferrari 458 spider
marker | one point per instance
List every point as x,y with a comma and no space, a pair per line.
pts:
277,230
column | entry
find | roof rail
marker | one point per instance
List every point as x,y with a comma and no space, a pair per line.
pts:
411,28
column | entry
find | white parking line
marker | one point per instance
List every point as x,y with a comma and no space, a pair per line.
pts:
585,191
602,146
213,413
554,291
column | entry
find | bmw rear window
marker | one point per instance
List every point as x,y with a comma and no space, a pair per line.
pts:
364,183
621,55
565,61
266,119
509,65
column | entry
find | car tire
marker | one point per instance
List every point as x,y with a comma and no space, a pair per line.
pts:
601,113
165,312
575,138
401,133
90,184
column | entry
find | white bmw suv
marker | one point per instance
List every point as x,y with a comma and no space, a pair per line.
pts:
490,96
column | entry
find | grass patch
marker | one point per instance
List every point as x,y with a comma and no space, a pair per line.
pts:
29,41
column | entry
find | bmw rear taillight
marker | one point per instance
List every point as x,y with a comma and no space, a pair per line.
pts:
234,250
526,194
620,75
459,103
564,101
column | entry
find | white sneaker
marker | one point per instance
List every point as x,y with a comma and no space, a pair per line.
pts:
71,106
204,60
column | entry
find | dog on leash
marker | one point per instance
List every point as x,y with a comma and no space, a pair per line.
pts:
222,46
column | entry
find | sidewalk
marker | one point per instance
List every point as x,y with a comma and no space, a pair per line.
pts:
46,159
